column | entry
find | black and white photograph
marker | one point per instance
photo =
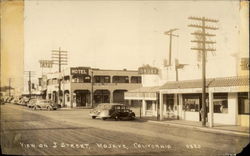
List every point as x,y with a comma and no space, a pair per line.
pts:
124,77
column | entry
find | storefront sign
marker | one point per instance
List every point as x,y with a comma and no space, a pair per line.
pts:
79,71
46,63
230,89
187,90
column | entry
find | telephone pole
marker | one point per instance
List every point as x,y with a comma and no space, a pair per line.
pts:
203,48
29,82
170,33
9,86
60,58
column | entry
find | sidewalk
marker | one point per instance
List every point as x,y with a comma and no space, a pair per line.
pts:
218,128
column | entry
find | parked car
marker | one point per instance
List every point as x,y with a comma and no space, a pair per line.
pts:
8,99
31,103
15,100
113,111
23,101
44,104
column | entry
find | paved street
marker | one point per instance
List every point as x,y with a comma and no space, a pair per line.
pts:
73,132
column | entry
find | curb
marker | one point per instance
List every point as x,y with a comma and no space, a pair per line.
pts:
213,130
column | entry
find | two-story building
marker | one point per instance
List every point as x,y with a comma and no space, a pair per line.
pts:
86,87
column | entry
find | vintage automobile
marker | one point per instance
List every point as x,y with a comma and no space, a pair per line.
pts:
31,103
44,104
113,111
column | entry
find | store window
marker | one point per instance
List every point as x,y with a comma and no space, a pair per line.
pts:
55,81
220,102
243,101
87,79
102,79
120,79
81,79
149,105
169,102
191,102
135,79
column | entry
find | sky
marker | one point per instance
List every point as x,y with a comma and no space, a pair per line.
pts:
124,34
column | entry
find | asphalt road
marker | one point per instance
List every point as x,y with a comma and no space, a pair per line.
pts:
73,132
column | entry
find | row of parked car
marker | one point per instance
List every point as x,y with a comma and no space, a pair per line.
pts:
104,110
33,103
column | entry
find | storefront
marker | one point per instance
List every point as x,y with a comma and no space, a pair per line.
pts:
148,97
82,98
227,100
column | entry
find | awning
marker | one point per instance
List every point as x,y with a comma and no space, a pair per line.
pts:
143,93
225,84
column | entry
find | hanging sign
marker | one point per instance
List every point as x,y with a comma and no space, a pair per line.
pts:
46,63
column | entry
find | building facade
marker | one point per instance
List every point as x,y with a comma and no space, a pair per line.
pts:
227,97
86,87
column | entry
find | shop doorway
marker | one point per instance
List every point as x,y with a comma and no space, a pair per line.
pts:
82,98
54,97
101,96
118,96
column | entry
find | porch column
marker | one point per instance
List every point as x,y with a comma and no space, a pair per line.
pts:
111,96
180,107
143,107
211,109
161,106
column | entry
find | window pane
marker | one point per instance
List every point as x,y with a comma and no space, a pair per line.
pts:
243,102
149,105
220,103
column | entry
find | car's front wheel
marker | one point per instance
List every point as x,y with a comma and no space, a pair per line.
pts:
34,108
49,108
117,118
93,117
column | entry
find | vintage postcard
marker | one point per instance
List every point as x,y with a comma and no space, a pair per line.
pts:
124,77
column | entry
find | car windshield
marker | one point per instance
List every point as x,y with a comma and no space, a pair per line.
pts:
105,106
45,101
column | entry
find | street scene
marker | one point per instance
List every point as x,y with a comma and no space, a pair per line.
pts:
124,77
74,132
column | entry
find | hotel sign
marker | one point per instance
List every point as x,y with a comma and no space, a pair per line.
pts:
79,71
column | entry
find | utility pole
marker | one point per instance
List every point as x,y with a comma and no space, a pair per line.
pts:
170,33
60,58
92,89
29,82
203,48
9,87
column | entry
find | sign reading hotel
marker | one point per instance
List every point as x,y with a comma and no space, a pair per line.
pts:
46,63
79,71
147,69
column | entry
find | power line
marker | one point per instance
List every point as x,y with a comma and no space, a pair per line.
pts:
201,39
